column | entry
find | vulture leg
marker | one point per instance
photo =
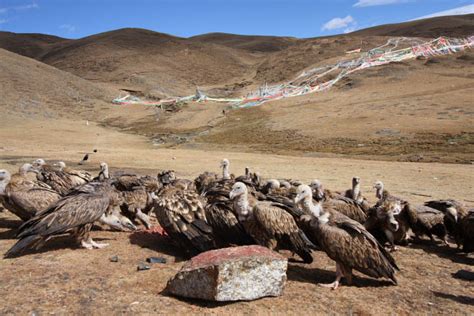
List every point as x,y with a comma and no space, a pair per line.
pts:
91,244
391,240
97,245
347,274
143,218
339,274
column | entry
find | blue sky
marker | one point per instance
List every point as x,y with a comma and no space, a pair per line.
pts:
299,18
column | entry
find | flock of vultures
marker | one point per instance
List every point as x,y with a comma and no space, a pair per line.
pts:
222,210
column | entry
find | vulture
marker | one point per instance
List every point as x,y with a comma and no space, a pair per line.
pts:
394,217
355,194
23,197
345,241
103,173
320,193
338,202
222,218
138,202
225,169
74,214
429,222
62,181
205,181
270,224
182,215
168,177
458,220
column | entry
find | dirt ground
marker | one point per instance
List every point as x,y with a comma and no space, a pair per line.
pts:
61,279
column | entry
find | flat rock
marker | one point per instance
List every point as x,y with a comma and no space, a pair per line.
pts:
231,274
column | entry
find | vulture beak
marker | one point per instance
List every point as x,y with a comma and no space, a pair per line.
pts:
298,198
153,196
232,195
126,223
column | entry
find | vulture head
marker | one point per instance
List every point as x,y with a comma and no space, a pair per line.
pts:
271,184
104,170
355,181
166,177
378,186
386,214
318,190
238,189
225,163
4,179
117,221
38,163
61,165
285,184
303,192
452,214
27,167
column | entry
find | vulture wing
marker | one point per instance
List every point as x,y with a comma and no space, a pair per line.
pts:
65,214
181,214
348,242
282,226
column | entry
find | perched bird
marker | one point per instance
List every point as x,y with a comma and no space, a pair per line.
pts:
270,224
60,181
23,197
429,222
345,241
339,202
74,214
182,215
225,169
394,217
84,159
222,218
459,221
355,194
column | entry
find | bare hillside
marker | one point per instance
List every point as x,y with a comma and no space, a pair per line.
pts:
32,89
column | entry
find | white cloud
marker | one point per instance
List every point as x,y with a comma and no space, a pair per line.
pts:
3,21
68,28
339,23
27,6
371,3
467,9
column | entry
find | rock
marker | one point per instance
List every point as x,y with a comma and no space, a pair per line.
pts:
114,259
156,260
231,274
142,266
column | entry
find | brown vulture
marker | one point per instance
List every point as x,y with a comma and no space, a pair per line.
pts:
429,222
392,216
222,218
355,194
23,197
60,181
182,215
339,202
345,241
74,214
270,224
459,221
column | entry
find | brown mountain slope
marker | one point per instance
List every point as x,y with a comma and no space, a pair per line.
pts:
30,45
247,42
33,89
148,61
454,26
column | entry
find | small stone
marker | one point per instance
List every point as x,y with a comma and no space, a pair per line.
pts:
142,267
156,260
114,259
231,274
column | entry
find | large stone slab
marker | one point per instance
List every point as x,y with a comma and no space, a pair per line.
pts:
231,274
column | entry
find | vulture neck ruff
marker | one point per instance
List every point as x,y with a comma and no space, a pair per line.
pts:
241,204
